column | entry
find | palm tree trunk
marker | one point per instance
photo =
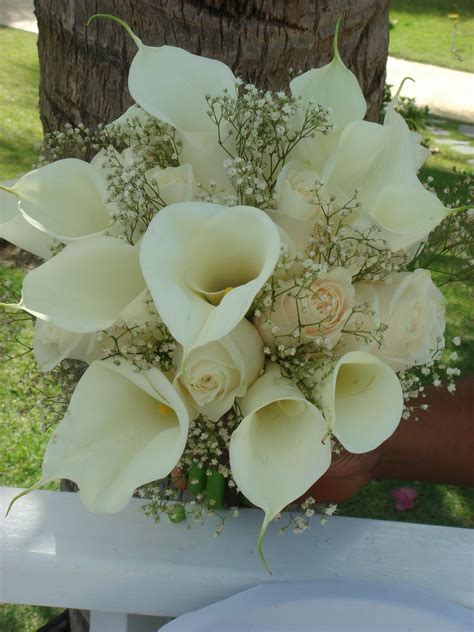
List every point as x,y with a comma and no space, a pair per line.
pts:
84,70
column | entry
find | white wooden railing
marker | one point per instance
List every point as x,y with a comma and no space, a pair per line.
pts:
54,553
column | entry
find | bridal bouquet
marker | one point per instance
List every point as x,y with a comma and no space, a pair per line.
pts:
238,273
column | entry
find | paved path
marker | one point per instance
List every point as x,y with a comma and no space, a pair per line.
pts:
19,14
448,93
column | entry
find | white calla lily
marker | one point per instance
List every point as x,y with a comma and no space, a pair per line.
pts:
362,401
66,199
15,229
52,345
382,162
204,264
178,97
122,429
278,450
86,287
172,84
407,214
335,87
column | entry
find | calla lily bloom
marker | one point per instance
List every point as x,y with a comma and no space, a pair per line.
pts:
204,264
278,450
52,345
15,229
362,401
66,199
172,84
382,161
335,87
87,287
122,429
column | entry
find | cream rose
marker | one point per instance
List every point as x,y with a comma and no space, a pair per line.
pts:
317,312
413,309
215,374
175,184
294,190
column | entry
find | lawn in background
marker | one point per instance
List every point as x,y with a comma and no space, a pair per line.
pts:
21,423
422,31
20,126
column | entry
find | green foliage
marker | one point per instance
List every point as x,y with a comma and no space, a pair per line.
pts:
20,127
421,30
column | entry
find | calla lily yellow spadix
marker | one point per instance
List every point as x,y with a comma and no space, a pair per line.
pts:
362,401
193,252
122,429
65,199
278,450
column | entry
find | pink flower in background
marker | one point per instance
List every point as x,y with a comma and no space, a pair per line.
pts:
404,498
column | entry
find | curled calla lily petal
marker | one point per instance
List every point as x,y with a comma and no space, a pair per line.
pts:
278,450
204,264
15,229
362,401
407,214
52,345
215,374
335,87
172,84
122,429
382,162
86,287
66,199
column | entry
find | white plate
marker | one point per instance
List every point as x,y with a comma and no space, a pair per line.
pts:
344,606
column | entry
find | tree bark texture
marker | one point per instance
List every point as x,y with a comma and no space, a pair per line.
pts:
84,70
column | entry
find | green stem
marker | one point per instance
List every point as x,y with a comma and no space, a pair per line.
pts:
8,189
259,546
114,18
335,45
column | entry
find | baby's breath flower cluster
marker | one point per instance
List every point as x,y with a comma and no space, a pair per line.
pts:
257,131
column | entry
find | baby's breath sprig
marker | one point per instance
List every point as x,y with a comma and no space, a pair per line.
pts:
145,345
258,130
449,249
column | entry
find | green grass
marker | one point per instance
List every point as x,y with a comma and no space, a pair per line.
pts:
422,31
21,422
20,126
